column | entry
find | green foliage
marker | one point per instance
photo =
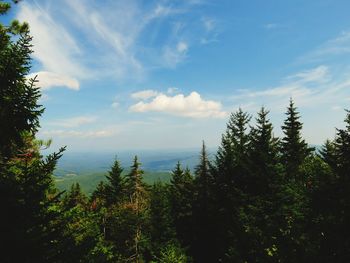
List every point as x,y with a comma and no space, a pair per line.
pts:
19,111
172,254
294,148
115,184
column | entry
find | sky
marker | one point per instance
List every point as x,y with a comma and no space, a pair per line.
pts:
161,74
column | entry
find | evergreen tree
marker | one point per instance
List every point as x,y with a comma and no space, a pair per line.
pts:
162,232
138,204
181,201
27,194
230,175
293,148
203,211
260,194
114,189
74,197
19,108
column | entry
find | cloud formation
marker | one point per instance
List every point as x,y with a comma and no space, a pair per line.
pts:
192,106
144,94
53,46
74,121
309,88
79,40
47,80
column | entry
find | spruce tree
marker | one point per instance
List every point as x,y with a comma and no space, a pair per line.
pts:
294,149
181,201
203,213
114,188
260,193
137,204
27,193
229,175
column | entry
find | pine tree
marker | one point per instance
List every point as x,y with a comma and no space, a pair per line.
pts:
114,189
162,231
138,203
229,174
293,148
181,201
260,193
263,150
27,194
203,213
74,197
19,108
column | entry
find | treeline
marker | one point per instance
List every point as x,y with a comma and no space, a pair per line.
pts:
260,199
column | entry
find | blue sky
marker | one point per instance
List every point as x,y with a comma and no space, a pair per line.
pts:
130,74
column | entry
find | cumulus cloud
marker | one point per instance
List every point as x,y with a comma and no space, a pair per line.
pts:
144,94
187,106
47,80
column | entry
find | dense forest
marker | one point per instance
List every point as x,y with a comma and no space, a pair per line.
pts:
262,198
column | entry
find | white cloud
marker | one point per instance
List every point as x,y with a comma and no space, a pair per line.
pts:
74,121
334,47
115,105
308,88
86,40
172,56
182,47
187,106
77,134
172,90
53,46
209,24
144,94
319,74
47,80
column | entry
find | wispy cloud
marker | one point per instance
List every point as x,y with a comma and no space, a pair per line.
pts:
47,80
54,47
192,106
77,134
319,74
144,94
309,88
337,46
173,55
74,121
83,39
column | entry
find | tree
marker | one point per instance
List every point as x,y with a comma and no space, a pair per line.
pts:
293,148
161,228
74,197
114,189
30,223
203,211
230,173
181,202
138,204
19,108
262,187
